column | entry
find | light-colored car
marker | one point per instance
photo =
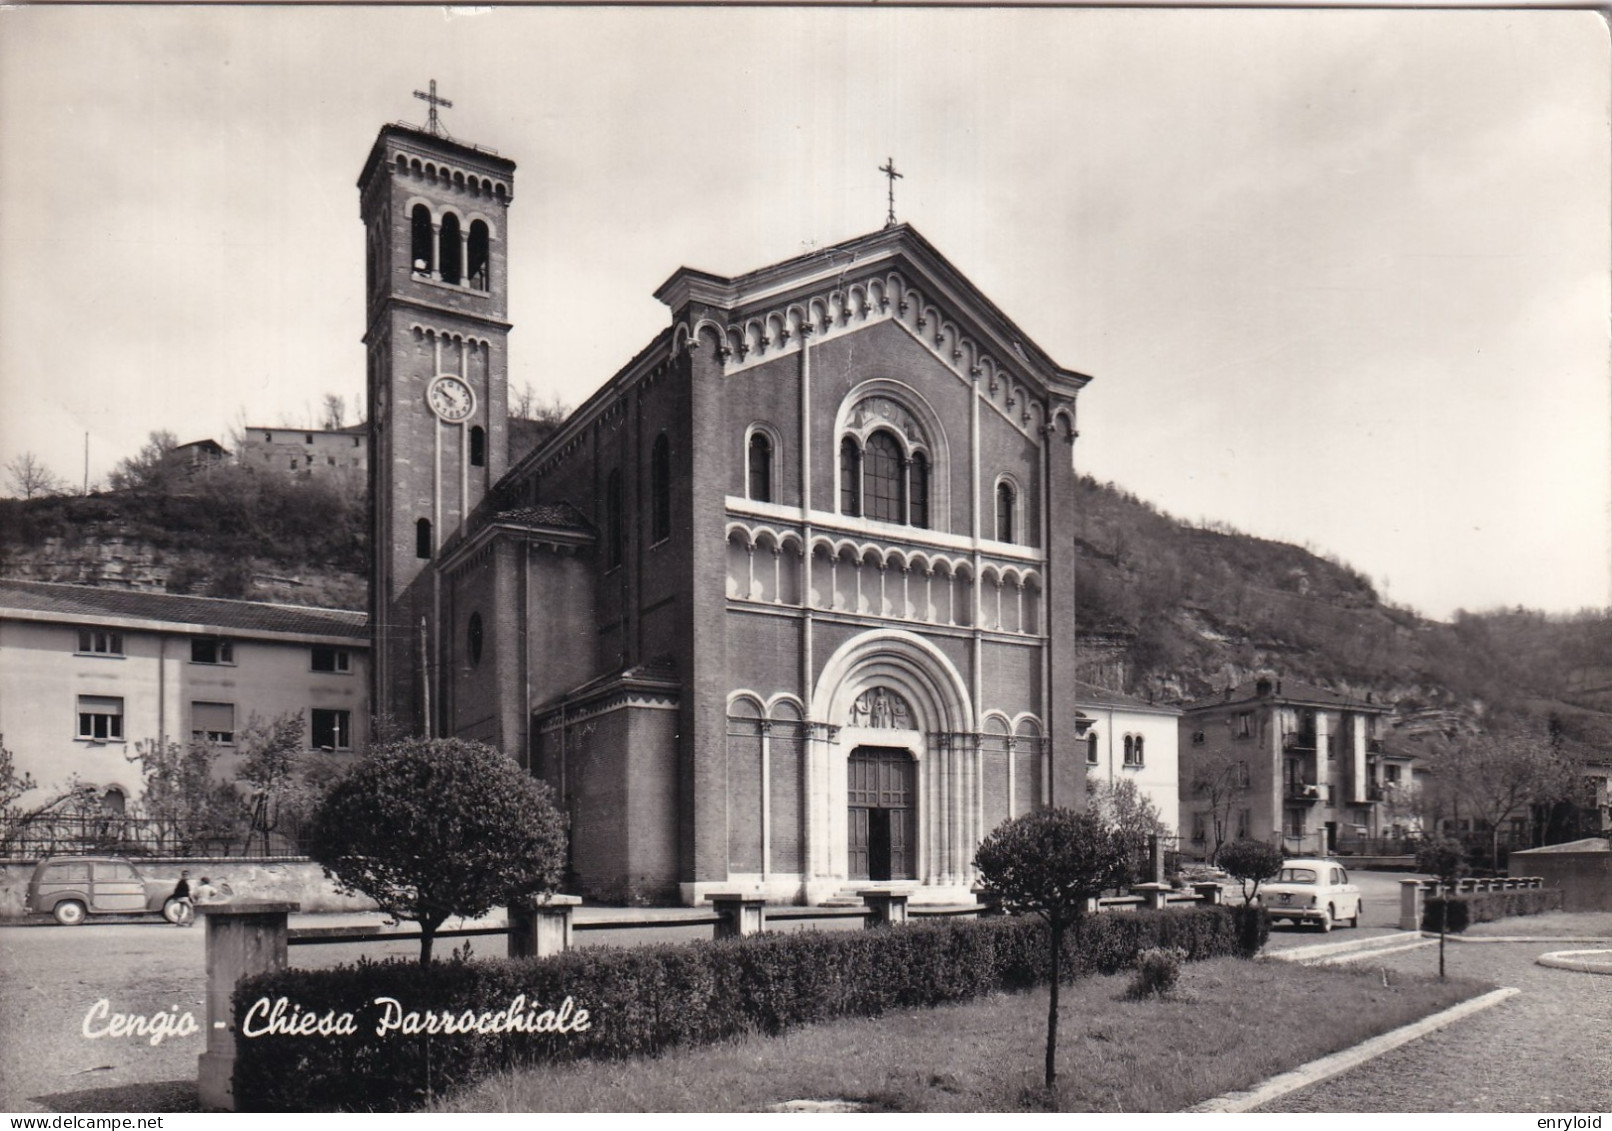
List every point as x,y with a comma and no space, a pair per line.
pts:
1312,891
74,887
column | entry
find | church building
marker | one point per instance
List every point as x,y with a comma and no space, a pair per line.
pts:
785,607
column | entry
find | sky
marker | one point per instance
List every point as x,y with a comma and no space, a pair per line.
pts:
1341,278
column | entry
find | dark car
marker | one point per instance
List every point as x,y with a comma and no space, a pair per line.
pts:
74,887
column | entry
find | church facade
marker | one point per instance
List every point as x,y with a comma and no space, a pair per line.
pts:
785,607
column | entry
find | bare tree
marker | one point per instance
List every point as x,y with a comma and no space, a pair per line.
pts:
335,413
1219,777
1495,776
30,478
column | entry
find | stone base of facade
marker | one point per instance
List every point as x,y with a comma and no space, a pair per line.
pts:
795,891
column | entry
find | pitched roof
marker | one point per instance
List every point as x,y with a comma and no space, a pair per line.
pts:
1090,695
1284,691
545,516
45,600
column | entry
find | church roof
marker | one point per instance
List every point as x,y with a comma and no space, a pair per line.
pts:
545,516
45,600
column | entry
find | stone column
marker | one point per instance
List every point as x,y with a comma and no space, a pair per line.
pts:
889,908
243,938
742,915
1410,905
542,927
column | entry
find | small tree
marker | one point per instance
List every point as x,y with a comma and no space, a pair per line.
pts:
187,804
1131,814
1219,778
429,828
30,478
1051,862
1249,860
1445,859
277,789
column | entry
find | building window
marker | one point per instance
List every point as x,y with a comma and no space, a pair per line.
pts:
478,447
473,637
422,538
213,722
1239,775
1133,750
1390,773
660,490
1245,724
1005,500
1091,749
268,437
100,718
918,490
480,248
1197,738
332,730
1199,827
100,642
208,650
422,241
613,521
882,488
850,477
759,460
448,242
331,660
1245,821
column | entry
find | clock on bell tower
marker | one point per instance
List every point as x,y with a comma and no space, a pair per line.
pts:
435,215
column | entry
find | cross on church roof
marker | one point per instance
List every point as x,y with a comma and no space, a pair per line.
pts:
433,125
889,170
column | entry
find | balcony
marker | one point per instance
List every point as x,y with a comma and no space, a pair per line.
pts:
1300,741
1305,791
1374,792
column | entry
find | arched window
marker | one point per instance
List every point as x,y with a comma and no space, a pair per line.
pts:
882,481
480,248
660,490
422,245
473,637
478,447
850,477
760,467
1138,750
1005,499
918,490
613,521
1091,749
451,264
422,538
1130,750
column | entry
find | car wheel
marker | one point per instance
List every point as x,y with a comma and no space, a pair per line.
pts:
69,913
173,911
1354,921
1325,922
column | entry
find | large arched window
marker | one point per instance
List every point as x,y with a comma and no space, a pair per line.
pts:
451,263
613,521
759,470
478,447
422,538
883,484
1006,499
660,490
422,242
479,271
850,477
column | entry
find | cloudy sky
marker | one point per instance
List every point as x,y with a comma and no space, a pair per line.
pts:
1341,278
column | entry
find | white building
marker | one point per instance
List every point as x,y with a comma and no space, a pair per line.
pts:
1130,739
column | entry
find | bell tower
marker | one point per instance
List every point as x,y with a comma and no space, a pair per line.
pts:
435,214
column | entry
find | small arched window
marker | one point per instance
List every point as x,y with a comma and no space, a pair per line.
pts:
1005,500
478,447
473,636
422,538
613,521
918,490
1091,749
760,467
1138,750
660,490
422,244
882,486
1130,750
480,249
451,264
850,477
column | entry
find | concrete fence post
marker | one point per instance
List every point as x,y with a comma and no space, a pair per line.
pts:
1411,895
243,938
741,915
1154,896
889,908
542,927
1208,893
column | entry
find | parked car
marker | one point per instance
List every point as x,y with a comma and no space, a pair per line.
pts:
1312,891
74,887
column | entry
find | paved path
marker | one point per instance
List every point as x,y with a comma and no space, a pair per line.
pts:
1544,1050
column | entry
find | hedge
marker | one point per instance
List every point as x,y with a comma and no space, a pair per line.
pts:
1487,906
645,1000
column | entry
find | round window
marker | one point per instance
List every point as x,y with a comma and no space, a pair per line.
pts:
475,638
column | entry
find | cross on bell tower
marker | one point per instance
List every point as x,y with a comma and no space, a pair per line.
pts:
889,170
433,126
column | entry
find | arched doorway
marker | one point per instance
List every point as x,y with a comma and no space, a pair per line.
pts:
881,797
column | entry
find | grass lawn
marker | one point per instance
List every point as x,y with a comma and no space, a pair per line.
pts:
1229,1025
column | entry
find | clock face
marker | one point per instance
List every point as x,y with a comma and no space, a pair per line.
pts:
451,399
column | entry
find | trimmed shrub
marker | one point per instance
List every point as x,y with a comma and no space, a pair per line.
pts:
1253,926
1487,906
645,1000
1158,969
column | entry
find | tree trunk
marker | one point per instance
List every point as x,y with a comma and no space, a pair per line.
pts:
1052,1003
1443,919
428,933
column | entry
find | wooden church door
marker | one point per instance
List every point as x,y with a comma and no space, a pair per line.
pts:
881,786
